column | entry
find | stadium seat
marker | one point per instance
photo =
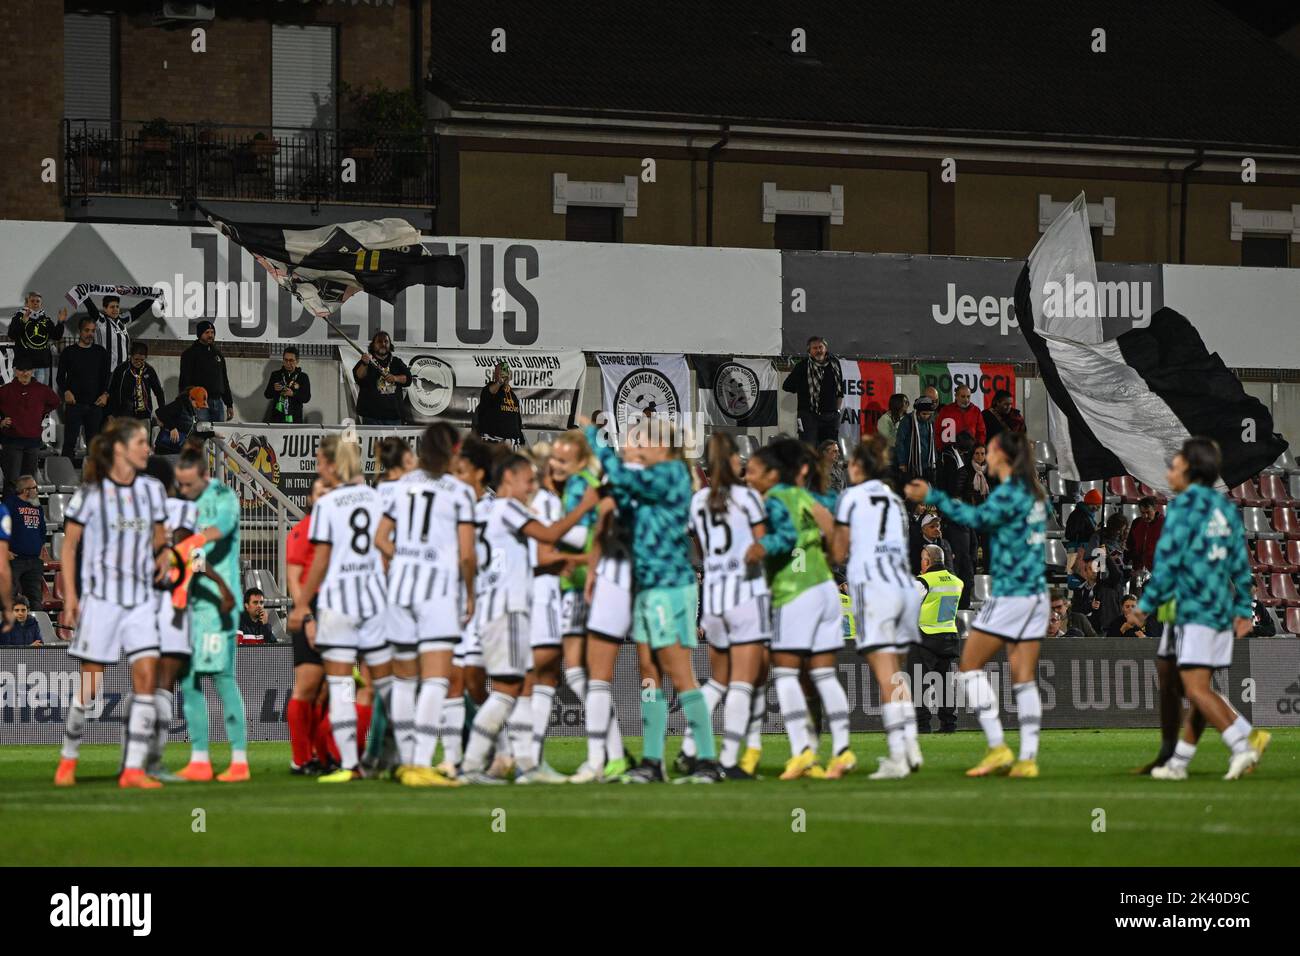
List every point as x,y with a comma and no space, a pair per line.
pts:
1284,465
1275,490
1248,496
1271,555
56,546
1285,523
1045,455
1150,492
1257,564
49,602
54,509
1126,489
964,619
1282,587
1066,508
1130,513
46,627
746,444
1293,485
1292,551
1292,620
1279,620
981,588
62,474
1262,593
1054,554
1054,528
1056,485
1257,525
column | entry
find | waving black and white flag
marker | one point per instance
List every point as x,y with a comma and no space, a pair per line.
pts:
1126,405
326,266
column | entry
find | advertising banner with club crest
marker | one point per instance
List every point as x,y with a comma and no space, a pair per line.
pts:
639,385
736,391
446,383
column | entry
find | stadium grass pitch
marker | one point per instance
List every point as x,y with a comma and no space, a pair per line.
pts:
935,818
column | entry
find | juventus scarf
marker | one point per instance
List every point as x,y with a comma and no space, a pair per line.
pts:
81,292
1128,404
325,267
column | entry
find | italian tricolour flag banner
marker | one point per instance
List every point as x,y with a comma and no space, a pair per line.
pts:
867,387
984,381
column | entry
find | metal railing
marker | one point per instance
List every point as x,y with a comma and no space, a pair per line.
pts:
265,514
207,161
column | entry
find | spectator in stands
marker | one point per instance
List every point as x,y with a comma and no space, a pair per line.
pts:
1000,416
135,387
381,379
176,420
1141,550
954,476
34,334
25,631
289,390
27,540
1264,626
837,475
1102,567
914,448
818,384
960,415
24,403
497,417
111,327
255,621
888,424
1071,623
928,530
1081,526
83,381
1122,627
203,365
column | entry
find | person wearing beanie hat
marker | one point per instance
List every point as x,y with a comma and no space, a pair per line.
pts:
1082,525
203,365
914,444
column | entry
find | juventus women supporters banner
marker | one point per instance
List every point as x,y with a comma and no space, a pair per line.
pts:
646,384
736,391
446,384
984,381
867,387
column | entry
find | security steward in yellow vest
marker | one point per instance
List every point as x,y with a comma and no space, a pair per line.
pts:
940,646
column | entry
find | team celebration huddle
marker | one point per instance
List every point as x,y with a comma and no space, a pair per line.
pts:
436,612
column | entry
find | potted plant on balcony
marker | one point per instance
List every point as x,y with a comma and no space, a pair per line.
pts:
377,116
207,131
263,145
156,136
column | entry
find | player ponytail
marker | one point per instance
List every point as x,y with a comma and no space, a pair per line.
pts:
508,462
437,448
193,455
1204,460
720,451
102,448
873,456
1020,453
345,456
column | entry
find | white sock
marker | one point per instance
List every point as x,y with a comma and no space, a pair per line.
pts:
73,728
1183,754
794,707
599,711
543,704
199,756
979,695
489,720
576,678
520,728
892,714
735,720
429,706
402,716
835,706
614,739
163,702
452,727
1030,707
343,717
501,746
713,693
1237,734
238,756
140,721
757,714
909,722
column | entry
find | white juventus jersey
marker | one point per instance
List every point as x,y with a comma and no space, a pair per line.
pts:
723,538
346,519
181,513
112,334
547,509
117,562
878,541
504,580
427,513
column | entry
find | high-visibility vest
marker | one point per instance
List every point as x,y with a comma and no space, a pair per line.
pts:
939,609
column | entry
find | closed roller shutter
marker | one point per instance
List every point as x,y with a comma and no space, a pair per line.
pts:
89,69
302,76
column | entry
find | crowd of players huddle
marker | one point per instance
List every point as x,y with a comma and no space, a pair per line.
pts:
474,561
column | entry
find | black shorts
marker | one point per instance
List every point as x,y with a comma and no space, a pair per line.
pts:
304,653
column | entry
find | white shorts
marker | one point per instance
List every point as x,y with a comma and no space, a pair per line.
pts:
469,650
368,636
610,613
432,625
1166,648
1197,645
172,639
886,617
811,623
1020,617
573,613
506,652
544,617
747,623
105,631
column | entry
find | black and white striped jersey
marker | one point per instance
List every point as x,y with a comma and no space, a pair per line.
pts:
547,509
346,519
504,582
723,538
878,535
117,521
181,513
427,513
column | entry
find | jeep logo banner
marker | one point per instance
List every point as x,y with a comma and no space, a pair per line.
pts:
938,307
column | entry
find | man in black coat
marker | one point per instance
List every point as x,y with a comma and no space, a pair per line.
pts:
83,381
289,390
135,390
203,365
818,383
497,417
34,333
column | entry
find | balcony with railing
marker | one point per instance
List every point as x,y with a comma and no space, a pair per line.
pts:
188,161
